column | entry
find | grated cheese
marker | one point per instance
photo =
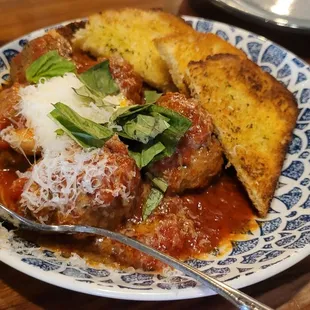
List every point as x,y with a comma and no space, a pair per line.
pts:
65,172
59,179
37,102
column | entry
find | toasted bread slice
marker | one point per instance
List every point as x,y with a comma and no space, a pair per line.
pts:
254,116
178,50
130,33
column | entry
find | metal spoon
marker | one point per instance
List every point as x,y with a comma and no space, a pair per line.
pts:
236,297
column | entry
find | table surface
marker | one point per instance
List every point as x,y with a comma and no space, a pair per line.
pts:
19,291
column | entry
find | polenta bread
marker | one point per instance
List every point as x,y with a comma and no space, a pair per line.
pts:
130,34
254,116
178,50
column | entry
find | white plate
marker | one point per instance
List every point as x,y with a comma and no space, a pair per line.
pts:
294,14
282,240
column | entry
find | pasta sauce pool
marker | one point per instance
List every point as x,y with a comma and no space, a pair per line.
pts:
184,226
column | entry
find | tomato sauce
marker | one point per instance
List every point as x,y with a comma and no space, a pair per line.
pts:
7,178
215,213
185,227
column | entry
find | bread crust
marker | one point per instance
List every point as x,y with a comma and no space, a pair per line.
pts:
254,116
130,33
177,50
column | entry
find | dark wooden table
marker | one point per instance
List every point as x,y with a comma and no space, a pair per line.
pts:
19,291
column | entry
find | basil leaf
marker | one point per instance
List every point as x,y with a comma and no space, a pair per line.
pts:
150,125
137,157
146,155
157,182
160,184
179,124
59,132
67,127
145,128
153,200
158,115
83,131
172,135
49,65
88,139
125,112
151,96
87,95
99,80
96,130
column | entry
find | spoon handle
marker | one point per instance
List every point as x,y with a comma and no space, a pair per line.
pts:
236,297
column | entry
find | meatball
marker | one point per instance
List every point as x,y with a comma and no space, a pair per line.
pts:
198,157
17,135
128,81
13,132
97,187
35,49
9,99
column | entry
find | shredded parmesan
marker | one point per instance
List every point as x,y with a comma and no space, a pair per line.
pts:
67,177
60,179
37,102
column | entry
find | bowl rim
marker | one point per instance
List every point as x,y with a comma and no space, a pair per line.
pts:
63,281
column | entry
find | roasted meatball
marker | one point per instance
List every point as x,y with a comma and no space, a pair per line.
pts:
13,132
198,158
9,99
35,49
129,82
97,188
12,129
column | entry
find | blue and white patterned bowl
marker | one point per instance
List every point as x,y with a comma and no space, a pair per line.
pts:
280,241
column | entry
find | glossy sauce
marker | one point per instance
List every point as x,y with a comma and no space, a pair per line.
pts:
188,226
183,226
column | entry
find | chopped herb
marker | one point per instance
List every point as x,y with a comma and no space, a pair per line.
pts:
99,81
146,155
84,131
149,124
49,65
160,184
151,96
122,113
155,196
137,157
145,128
152,132
87,95
179,123
157,182
158,115
153,200
67,127
59,132
172,135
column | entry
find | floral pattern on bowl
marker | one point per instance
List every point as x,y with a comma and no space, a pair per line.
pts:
281,240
